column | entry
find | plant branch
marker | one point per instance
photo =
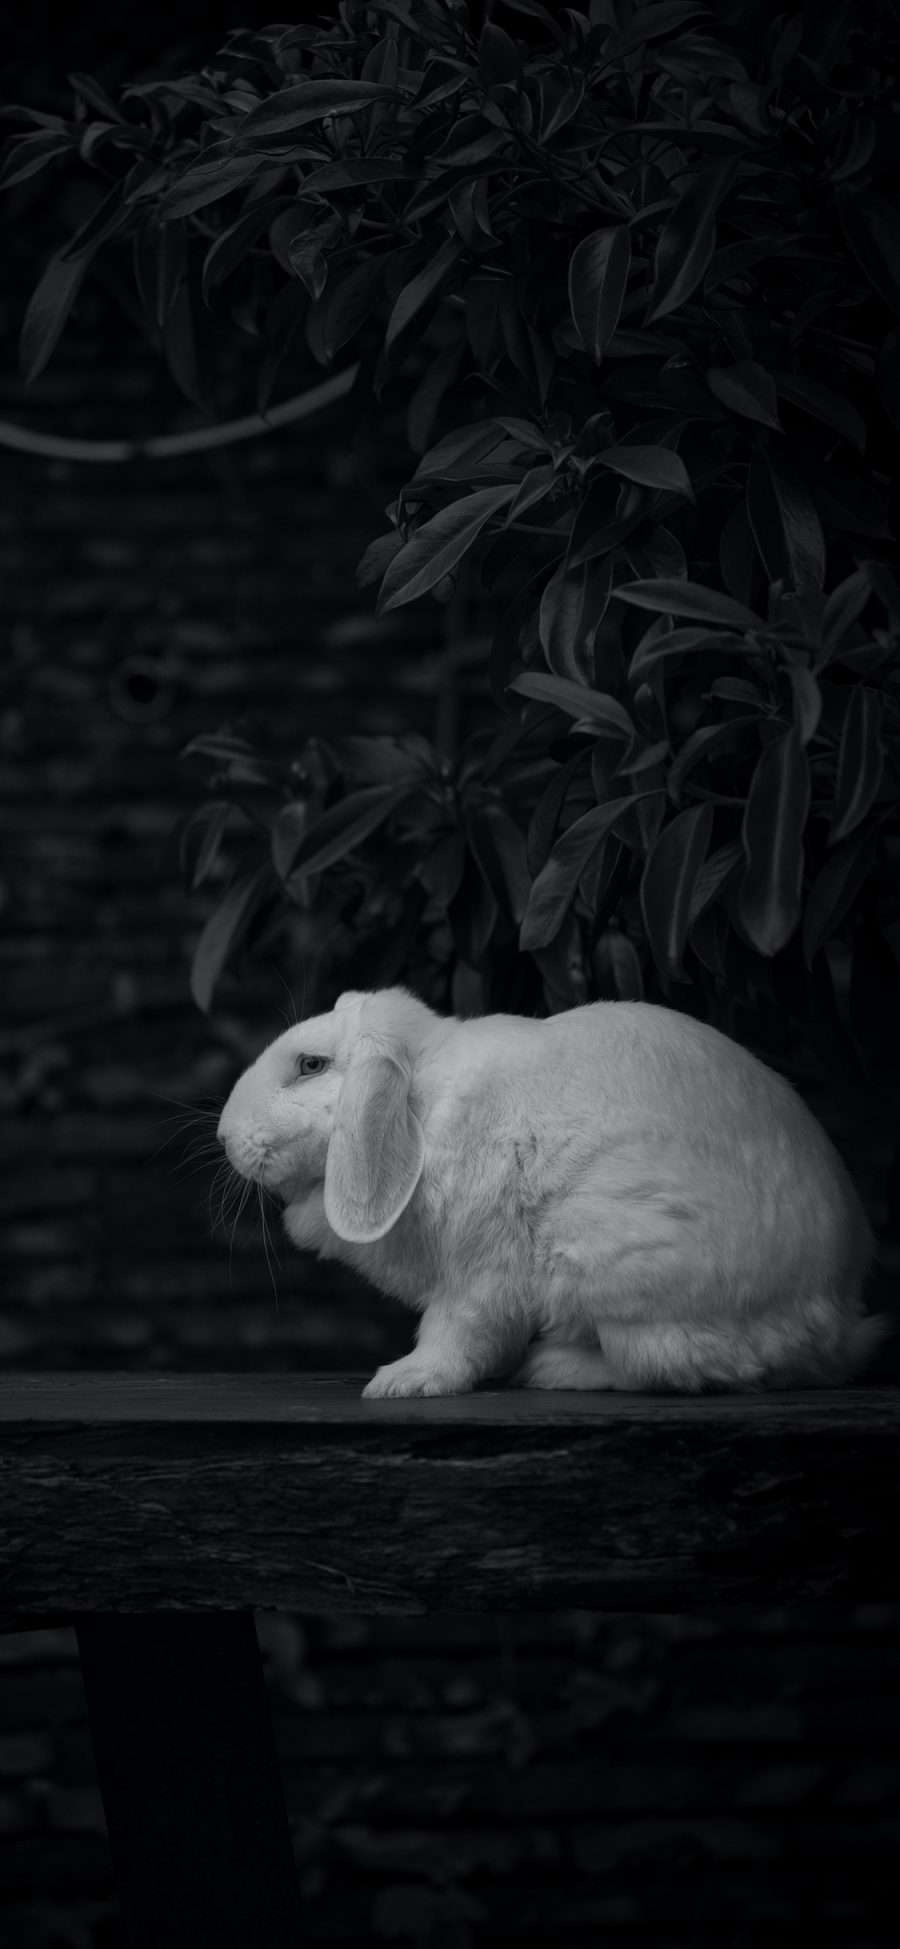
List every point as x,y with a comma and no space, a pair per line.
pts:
170,446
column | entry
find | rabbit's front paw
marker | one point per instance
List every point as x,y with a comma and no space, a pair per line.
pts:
411,1376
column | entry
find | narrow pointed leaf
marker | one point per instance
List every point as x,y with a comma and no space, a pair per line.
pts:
654,649
598,274
545,817
713,874
860,763
835,889
706,742
58,288
572,607
786,526
554,889
687,241
676,598
650,467
870,225
50,305
344,826
769,896
208,183
419,293
498,844
224,931
576,699
822,403
844,607
746,388
807,700
667,886
438,545
309,101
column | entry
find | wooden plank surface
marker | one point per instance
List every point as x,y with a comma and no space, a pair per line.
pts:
201,1492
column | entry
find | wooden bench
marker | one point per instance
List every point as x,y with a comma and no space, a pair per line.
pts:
157,1512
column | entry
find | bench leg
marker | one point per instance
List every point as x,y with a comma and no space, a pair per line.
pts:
194,1802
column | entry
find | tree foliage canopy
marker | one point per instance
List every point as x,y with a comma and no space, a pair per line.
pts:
636,275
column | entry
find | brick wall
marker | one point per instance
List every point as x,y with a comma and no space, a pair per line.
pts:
521,1782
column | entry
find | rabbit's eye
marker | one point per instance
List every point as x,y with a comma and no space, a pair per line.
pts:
311,1065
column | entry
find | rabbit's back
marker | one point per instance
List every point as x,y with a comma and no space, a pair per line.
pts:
687,1191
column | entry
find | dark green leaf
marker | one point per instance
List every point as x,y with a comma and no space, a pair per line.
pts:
356,174
387,760
860,762
667,886
419,295
471,141
224,932
377,558
232,245
573,604
470,211
807,700
785,524
56,291
554,889
888,376
618,965
31,154
201,839
658,646
835,888
824,404
438,545
707,936
713,875
746,388
499,59
872,229
208,183
769,895
345,825
473,913
441,870
603,520
688,240
706,742
180,347
676,598
50,305
650,467
737,553
843,608
578,701
545,817
498,845
598,274
288,834
654,551
310,101
653,23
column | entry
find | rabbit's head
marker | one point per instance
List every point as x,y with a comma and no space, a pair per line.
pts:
329,1102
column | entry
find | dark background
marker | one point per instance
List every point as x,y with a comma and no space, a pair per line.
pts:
450,1780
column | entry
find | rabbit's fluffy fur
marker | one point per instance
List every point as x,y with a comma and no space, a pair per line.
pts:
618,1197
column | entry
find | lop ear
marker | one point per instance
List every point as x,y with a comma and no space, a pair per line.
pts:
377,1148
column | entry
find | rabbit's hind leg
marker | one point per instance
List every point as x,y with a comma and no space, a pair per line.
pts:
547,1364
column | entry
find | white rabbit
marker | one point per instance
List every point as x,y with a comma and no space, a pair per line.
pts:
617,1197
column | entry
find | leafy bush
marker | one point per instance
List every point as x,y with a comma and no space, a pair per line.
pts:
636,278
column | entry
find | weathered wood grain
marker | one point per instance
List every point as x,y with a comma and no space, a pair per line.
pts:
161,1492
